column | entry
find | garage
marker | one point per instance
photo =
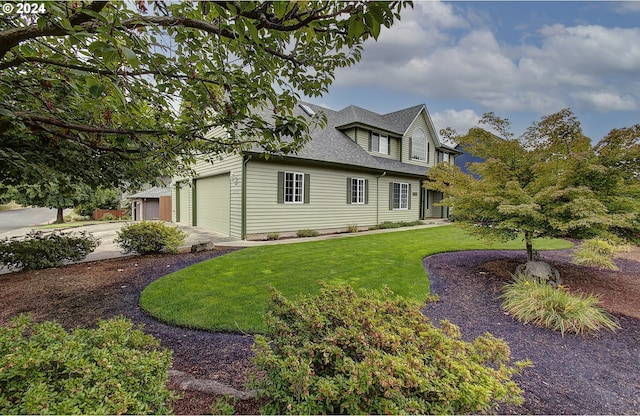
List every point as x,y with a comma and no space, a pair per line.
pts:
212,209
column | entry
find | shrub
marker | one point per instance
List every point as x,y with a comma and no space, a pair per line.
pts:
273,236
530,301
352,228
113,369
223,406
108,217
339,352
307,233
597,253
38,250
148,237
397,224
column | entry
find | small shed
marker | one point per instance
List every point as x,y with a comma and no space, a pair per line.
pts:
151,204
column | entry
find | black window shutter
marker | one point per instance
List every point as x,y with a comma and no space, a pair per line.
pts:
349,190
366,191
409,198
390,195
370,139
307,187
280,187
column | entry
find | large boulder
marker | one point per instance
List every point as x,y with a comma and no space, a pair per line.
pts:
541,271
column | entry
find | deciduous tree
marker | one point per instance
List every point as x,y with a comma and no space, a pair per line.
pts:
549,182
110,94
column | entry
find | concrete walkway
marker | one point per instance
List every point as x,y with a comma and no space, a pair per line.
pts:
245,243
107,232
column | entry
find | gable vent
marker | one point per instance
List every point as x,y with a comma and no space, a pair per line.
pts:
307,109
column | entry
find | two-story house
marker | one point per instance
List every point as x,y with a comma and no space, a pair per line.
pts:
362,169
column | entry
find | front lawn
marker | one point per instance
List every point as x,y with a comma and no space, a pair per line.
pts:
230,293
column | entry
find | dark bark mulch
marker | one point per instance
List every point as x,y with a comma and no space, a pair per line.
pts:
572,375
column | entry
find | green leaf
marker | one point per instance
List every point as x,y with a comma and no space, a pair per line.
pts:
130,55
96,90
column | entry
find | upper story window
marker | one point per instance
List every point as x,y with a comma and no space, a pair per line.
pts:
419,146
444,157
379,143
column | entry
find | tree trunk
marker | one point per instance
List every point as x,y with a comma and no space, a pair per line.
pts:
529,243
60,216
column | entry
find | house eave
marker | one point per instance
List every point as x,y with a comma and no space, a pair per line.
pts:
263,157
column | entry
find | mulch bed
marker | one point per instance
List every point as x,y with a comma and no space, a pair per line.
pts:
571,375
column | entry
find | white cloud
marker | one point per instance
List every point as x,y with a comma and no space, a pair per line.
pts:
439,52
460,121
606,101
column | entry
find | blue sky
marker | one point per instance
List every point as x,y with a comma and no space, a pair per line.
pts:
520,60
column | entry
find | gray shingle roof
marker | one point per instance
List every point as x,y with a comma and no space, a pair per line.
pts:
155,192
331,145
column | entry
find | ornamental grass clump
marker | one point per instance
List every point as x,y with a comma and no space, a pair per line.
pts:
340,352
533,302
597,253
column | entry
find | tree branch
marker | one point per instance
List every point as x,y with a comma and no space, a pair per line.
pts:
32,118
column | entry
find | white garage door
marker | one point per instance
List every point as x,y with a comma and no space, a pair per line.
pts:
212,203
183,209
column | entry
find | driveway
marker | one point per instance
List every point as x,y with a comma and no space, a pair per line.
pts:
107,232
25,217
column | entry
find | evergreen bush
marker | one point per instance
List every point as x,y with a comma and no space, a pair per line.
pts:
113,369
150,237
339,352
38,250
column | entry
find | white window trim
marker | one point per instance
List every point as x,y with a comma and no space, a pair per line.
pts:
294,188
378,148
422,157
358,197
403,186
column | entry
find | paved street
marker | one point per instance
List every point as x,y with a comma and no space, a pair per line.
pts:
25,217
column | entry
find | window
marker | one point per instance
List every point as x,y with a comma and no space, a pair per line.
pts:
399,195
293,188
419,145
357,190
379,143
443,157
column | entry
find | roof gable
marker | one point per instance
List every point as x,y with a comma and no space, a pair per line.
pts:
331,144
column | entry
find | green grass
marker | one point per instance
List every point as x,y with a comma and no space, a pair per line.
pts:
230,293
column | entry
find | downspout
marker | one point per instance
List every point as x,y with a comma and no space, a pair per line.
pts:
378,197
243,202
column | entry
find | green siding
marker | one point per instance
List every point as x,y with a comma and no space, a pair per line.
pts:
387,214
327,207
231,164
420,122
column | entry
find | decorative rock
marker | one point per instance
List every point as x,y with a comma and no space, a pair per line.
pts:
186,381
541,271
207,245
